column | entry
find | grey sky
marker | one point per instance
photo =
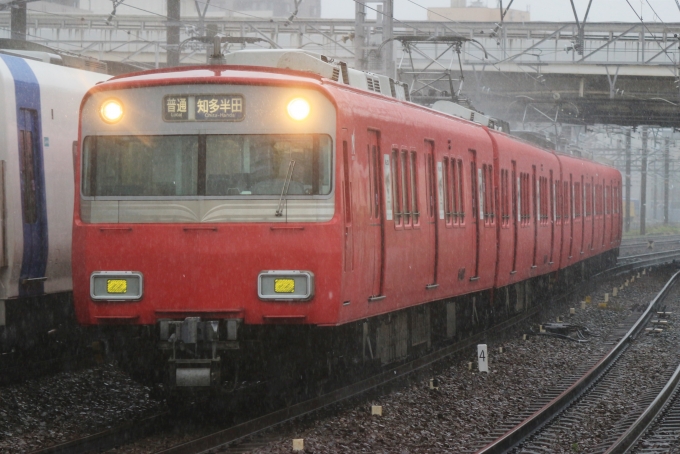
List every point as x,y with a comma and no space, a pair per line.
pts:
541,10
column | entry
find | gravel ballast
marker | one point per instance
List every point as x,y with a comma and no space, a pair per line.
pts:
453,418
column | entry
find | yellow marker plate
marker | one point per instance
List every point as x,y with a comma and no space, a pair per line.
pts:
284,285
116,286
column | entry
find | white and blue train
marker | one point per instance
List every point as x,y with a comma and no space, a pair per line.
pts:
39,103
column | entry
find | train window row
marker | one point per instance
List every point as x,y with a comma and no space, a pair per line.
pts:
551,200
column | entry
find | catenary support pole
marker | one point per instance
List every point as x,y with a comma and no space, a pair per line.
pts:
643,182
627,204
18,21
172,36
666,177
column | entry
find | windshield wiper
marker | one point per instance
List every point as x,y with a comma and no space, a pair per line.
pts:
286,185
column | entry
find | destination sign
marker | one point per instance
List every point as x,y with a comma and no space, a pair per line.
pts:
203,108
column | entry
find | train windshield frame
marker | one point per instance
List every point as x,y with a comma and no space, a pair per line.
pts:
206,166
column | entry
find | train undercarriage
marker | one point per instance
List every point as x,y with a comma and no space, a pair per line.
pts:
218,355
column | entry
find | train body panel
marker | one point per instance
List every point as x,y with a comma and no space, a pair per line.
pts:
415,214
41,106
39,126
526,177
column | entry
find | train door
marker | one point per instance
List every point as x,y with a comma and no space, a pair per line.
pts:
536,202
377,224
515,215
433,229
34,215
477,210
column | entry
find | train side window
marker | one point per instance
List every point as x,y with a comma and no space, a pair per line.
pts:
607,200
374,183
396,189
453,191
484,197
488,188
578,198
346,184
448,200
28,184
617,201
461,194
406,189
371,183
565,201
505,199
545,200
413,173
431,186
525,215
557,200
589,199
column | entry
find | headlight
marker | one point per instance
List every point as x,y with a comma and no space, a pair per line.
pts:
298,109
111,110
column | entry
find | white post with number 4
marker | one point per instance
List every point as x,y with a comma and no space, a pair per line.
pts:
483,358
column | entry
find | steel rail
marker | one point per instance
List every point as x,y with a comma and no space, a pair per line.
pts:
109,439
646,243
279,417
652,255
560,403
631,436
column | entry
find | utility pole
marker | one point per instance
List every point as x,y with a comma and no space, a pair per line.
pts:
627,204
359,35
172,34
643,182
387,34
18,21
666,177
656,182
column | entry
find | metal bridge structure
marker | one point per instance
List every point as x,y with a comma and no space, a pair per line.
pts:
556,76
573,72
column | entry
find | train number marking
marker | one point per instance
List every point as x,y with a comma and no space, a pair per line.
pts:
482,358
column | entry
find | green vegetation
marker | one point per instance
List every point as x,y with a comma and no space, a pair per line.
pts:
655,229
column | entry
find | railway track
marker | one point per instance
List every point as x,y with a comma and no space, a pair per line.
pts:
559,410
120,435
640,261
658,428
644,240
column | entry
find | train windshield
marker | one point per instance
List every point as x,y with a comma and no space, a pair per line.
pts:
206,165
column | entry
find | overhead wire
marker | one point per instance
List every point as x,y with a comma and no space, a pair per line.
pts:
653,36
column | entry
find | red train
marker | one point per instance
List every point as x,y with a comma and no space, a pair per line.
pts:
283,208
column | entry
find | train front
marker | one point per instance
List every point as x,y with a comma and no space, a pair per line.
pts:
205,215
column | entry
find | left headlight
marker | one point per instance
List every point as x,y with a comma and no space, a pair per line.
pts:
299,109
111,110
